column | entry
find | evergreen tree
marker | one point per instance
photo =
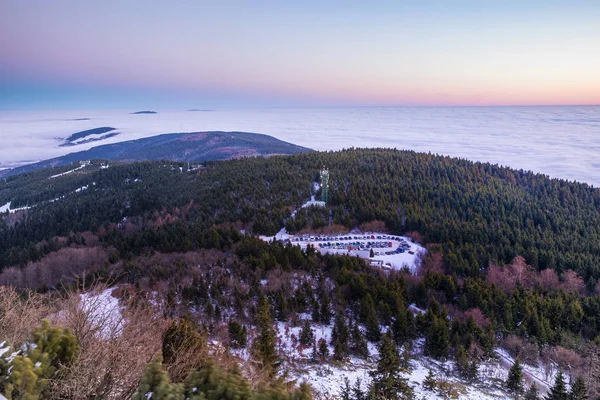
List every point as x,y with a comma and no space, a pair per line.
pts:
371,253
514,382
370,319
430,383
281,308
437,338
358,343
357,391
461,360
314,355
213,383
578,390
387,382
325,310
400,326
182,338
156,384
473,368
237,335
346,392
307,335
323,349
340,338
264,343
532,393
316,311
558,391
46,357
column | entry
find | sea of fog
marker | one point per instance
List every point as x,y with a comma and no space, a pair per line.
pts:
562,142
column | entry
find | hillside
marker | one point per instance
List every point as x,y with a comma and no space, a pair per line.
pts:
510,268
192,147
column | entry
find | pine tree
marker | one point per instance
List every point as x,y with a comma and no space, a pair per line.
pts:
213,383
578,390
307,335
370,318
473,368
46,357
400,326
514,382
325,311
357,391
358,343
281,309
461,361
316,311
558,391
387,382
264,344
182,337
430,383
532,393
237,335
156,384
314,356
371,253
323,349
437,338
346,392
340,338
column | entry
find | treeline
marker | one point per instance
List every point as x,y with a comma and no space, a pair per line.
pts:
478,213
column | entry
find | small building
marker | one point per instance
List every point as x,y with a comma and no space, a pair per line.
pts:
376,263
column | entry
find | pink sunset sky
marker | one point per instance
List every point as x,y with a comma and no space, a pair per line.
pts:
57,54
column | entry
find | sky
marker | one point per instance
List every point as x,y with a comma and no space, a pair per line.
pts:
216,54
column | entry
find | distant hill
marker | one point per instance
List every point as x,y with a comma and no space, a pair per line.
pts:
145,112
198,146
90,135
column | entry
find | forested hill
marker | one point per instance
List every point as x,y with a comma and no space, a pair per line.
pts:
171,238
193,147
476,213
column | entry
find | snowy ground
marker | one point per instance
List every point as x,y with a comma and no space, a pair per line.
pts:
68,172
328,378
6,208
105,312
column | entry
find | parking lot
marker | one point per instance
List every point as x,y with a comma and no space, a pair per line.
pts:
381,244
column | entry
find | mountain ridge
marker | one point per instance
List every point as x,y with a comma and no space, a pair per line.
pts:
189,146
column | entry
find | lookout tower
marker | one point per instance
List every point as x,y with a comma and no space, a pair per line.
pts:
324,185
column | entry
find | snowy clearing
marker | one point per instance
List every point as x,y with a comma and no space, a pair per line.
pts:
6,208
68,172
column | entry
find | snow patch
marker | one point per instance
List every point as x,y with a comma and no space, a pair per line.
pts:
312,202
104,312
68,172
6,208
3,349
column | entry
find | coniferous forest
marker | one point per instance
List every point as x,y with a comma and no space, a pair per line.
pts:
512,261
